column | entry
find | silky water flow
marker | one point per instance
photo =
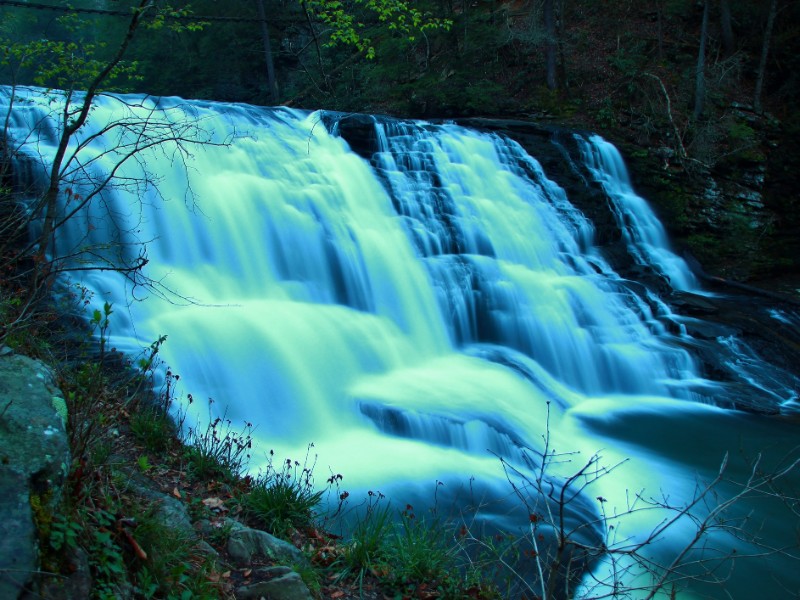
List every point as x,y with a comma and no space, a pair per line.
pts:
416,316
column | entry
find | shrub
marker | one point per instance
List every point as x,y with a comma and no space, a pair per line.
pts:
153,429
283,499
170,563
218,452
410,556
419,549
366,547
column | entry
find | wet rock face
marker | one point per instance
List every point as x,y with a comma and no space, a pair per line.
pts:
357,129
736,209
34,459
719,216
747,339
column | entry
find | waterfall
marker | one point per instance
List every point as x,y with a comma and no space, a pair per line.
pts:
646,237
414,315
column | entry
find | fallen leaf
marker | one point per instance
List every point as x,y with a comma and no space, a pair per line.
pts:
213,503
338,594
176,493
137,549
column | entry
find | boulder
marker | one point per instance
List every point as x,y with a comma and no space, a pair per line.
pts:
275,583
78,584
34,462
166,508
245,543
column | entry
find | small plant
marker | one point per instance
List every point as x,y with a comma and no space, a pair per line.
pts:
366,546
218,451
283,498
419,549
144,463
100,325
170,565
153,429
412,557
87,391
64,533
106,556
310,576
219,534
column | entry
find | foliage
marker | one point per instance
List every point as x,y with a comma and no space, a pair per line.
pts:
311,576
398,16
129,547
152,423
412,557
481,42
365,549
62,64
64,61
174,566
63,534
561,552
69,58
284,498
143,553
86,391
218,451
467,66
176,20
132,550
153,428
419,550
73,57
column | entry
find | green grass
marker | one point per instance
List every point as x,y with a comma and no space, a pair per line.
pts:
218,451
419,549
284,499
174,566
153,428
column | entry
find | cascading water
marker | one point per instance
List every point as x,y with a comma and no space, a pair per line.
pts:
646,237
414,316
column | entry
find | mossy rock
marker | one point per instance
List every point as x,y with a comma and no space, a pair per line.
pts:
35,460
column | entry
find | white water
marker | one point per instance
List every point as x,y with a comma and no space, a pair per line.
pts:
644,233
404,334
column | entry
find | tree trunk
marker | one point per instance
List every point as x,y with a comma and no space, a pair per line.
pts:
700,75
728,43
550,46
273,86
562,57
762,65
660,17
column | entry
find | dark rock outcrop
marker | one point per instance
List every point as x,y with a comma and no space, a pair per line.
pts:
34,457
276,583
244,544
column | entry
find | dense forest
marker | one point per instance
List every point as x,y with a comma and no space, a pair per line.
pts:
701,95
